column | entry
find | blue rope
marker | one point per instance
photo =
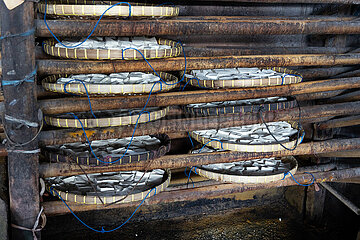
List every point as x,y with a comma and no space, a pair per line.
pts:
190,80
192,143
157,74
87,93
189,178
24,34
97,23
210,142
30,78
166,3
102,228
304,185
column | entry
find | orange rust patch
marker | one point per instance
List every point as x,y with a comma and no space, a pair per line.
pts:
80,133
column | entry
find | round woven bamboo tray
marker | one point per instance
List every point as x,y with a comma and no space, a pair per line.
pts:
58,155
248,147
216,111
49,83
83,199
103,54
93,9
292,78
231,178
71,122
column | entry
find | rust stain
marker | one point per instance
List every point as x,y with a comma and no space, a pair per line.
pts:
80,133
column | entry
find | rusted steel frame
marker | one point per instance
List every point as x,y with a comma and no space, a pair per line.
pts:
200,192
209,51
188,160
341,198
59,66
318,95
208,25
54,106
228,51
54,137
175,135
342,154
339,122
321,73
348,97
20,102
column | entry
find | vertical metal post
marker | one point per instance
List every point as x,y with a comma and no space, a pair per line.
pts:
18,61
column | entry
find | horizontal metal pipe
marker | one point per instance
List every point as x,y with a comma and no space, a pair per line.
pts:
55,137
203,191
53,106
188,160
206,25
59,66
339,122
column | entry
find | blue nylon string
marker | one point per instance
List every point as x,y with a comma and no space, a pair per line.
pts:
91,33
87,93
192,143
190,80
210,142
189,178
24,34
30,78
166,3
304,185
102,228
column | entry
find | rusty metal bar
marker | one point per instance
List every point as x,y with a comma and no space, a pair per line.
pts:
54,137
201,191
342,154
18,66
204,25
187,160
59,66
348,97
339,122
341,198
53,106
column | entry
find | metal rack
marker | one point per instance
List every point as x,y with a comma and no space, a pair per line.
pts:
19,57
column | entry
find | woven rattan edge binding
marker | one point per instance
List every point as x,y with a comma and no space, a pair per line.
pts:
83,199
230,178
113,54
242,109
108,89
295,77
92,10
64,157
106,122
248,147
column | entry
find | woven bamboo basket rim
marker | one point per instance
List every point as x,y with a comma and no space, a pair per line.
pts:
83,199
106,122
49,84
292,78
231,178
90,9
113,54
216,111
56,157
247,147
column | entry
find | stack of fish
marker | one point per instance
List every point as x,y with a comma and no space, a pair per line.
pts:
113,148
115,43
108,184
234,73
113,78
251,134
